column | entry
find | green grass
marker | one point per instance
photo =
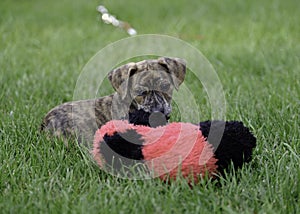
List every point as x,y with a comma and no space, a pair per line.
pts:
254,47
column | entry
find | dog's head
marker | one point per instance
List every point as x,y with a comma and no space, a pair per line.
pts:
149,84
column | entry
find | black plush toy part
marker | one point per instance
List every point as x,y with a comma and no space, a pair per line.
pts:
236,144
140,117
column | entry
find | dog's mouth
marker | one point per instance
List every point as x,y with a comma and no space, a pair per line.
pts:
154,119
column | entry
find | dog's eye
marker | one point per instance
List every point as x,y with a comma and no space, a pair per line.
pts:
165,86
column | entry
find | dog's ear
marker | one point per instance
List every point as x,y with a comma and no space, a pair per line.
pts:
176,67
119,78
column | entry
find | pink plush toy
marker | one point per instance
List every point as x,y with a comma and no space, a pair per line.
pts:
174,149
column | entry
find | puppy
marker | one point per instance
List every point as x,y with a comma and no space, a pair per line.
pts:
142,88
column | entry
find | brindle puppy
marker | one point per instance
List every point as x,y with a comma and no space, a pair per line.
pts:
142,88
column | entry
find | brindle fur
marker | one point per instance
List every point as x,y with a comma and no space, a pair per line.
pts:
145,86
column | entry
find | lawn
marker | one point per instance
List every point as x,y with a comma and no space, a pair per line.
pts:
254,47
